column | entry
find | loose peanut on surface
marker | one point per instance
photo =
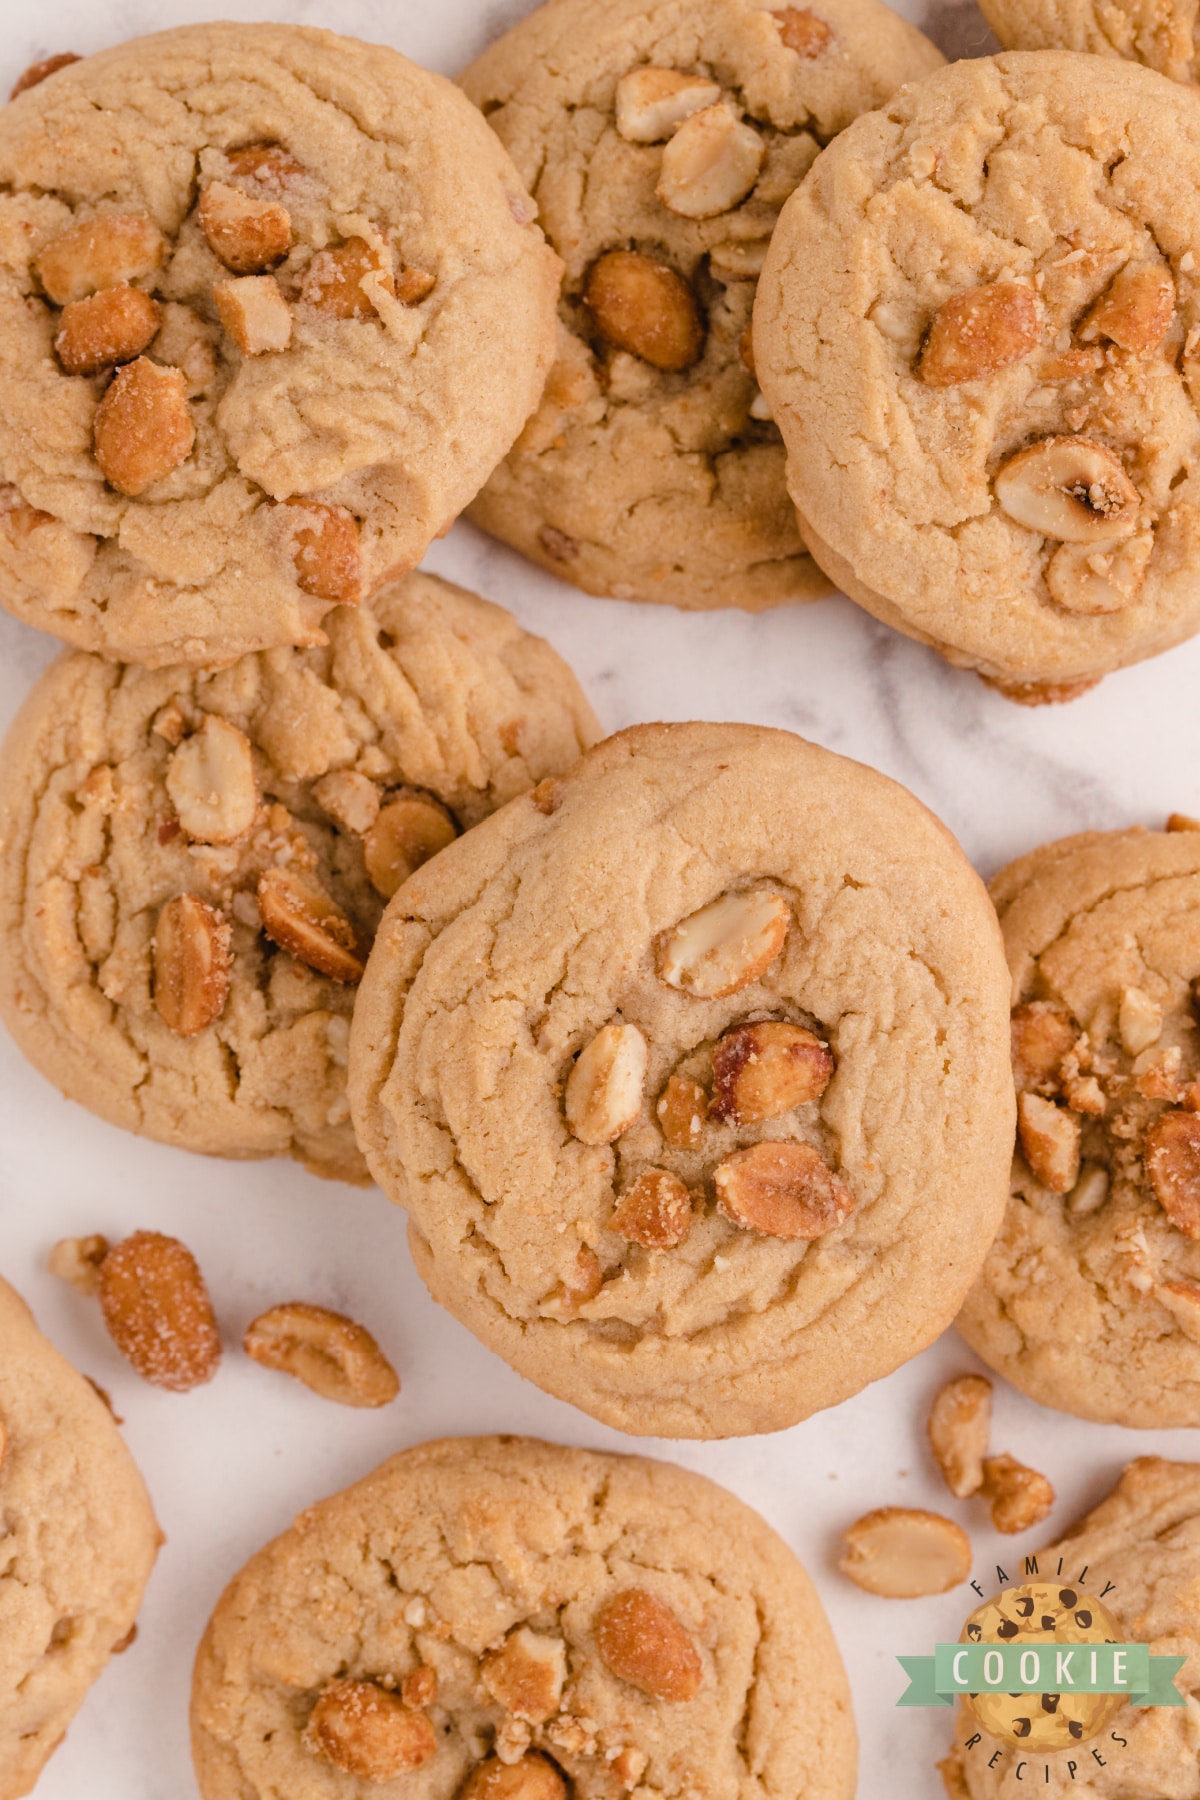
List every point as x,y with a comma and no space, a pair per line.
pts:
1136,310
254,313
641,1640
643,306
765,1069
211,784
979,332
902,1553
651,102
1070,488
1020,1497
77,1262
531,1777
300,917
247,235
682,1109
366,1731
526,1676
710,164
98,253
783,1190
344,282
410,829
325,1350
1171,1153
191,960
107,328
325,550
158,1312
725,945
143,426
603,1095
959,1427
655,1211
1049,1137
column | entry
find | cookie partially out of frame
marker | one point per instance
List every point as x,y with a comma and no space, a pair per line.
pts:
77,1542
691,1069
660,140
1159,33
272,306
500,1619
193,863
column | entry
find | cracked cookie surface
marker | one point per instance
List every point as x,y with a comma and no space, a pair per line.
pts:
1143,1539
78,1540
648,473
691,1070
977,328
1159,33
1090,1296
253,279
506,1577
194,862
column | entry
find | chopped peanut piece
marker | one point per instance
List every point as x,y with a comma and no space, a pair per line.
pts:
299,916
158,1312
526,1676
581,1284
1070,488
762,1070
1084,1094
1140,1020
325,1350
977,333
191,964
210,779
1182,1301
656,1211
37,72
802,31
110,327
351,799
652,102
77,1262
99,253
1177,821
646,308
365,1731
1172,1158
270,165
1049,1137
725,945
1093,580
782,1190
903,1553
247,235
1135,311
1042,1034
254,313
343,283
960,1423
143,427
641,1641
603,1095
1090,1191
710,165
629,1765
326,551
1020,1497
409,830
419,1688
531,1777
682,1110
413,285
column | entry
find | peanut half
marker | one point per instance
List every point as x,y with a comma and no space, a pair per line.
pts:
725,945
979,332
1020,1497
656,1211
652,102
1070,488
191,959
526,1676
762,1070
959,1427
603,1095
641,1641
325,1350
1093,580
299,916
99,253
646,308
107,328
903,1553
143,427
782,1190
211,784
410,829
158,1312
1172,1159
366,1731
531,1777
710,164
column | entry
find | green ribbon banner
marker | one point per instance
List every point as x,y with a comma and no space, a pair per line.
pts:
1127,1669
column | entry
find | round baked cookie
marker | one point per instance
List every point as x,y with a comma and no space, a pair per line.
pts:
1159,33
977,327
691,1069
1140,1550
79,1541
193,863
315,274
1090,1296
496,1617
660,139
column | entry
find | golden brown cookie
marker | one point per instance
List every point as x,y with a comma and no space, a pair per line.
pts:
1159,33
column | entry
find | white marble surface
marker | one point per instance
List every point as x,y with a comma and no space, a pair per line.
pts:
230,1464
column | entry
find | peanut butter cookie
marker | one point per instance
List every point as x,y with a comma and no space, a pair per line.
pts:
272,306
1090,1297
1159,33
660,140
977,327
1140,1550
500,1619
193,862
79,1542
691,1069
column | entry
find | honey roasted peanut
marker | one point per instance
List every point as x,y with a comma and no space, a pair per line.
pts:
1070,488
190,953
526,1676
1050,1139
325,1350
959,1428
1136,310
783,1190
143,427
157,1311
1020,1498
710,164
802,31
767,1068
725,945
655,1211
299,916
651,102
325,550
1096,580
368,1732
344,282
646,308
99,253
682,1109
1172,1158
210,780
110,327
603,1094
410,829
1042,1035
531,1777
642,1641
247,235
903,1553
254,313
269,166
979,332
351,799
